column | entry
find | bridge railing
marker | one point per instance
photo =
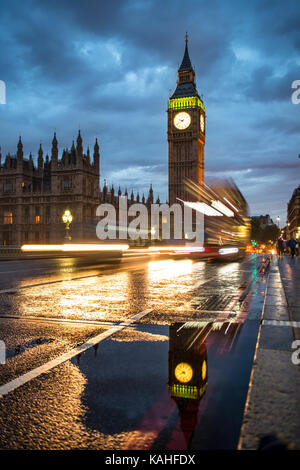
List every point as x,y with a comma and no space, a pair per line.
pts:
9,251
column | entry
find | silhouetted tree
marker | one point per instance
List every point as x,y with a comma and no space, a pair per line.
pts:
263,235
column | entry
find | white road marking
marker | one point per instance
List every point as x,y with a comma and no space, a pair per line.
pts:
59,320
18,382
295,324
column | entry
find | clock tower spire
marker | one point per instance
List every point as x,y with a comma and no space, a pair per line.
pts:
186,132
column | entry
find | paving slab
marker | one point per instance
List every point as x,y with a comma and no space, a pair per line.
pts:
274,403
276,337
295,312
277,291
278,313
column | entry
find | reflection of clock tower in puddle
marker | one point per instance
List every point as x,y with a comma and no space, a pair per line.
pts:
186,132
187,372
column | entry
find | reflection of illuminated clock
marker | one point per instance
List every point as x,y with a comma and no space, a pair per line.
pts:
204,370
182,120
183,372
202,123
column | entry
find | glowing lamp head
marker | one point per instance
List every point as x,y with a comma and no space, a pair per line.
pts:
67,217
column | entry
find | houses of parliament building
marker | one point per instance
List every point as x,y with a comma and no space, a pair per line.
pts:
33,197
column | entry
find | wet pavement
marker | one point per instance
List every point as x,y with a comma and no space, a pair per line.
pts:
290,275
175,379
273,403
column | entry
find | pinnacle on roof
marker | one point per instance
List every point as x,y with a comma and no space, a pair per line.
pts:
186,61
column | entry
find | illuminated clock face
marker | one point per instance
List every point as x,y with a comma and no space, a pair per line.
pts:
202,123
183,372
182,120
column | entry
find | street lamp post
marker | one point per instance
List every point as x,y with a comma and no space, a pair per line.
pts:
67,220
278,220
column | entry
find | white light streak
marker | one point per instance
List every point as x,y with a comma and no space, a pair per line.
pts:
203,208
74,247
181,249
228,251
228,233
231,204
222,208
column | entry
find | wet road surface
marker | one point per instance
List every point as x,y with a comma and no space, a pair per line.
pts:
176,378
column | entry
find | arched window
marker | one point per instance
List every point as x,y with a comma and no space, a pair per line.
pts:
37,215
26,215
67,183
48,215
8,187
8,218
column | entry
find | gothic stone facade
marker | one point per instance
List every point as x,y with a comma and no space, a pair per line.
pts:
33,197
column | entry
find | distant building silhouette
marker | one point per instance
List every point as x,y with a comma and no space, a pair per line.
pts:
293,214
265,220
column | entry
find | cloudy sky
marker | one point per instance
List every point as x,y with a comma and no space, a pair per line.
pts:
107,67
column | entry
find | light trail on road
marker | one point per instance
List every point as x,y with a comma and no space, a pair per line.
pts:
85,311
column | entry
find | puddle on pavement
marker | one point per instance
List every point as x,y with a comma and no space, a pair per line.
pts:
177,386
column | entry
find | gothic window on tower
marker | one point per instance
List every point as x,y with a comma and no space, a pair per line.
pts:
48,215
8,187
8,218
27,216
37,215
67,183
185,77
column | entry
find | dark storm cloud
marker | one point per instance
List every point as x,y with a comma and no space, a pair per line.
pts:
264,85
108,67
282,124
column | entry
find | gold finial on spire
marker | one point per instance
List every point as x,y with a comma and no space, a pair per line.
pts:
186,37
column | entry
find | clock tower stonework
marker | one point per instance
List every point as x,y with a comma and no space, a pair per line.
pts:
186,133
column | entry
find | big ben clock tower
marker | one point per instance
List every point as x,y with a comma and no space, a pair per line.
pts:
186,133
